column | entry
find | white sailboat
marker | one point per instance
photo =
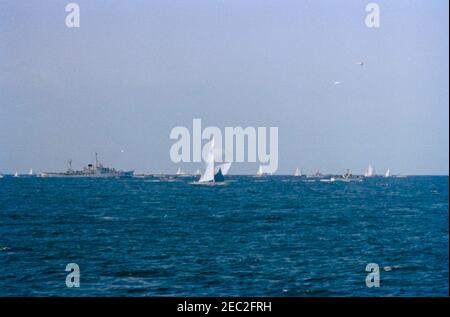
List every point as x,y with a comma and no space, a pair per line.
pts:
180,172
387,173
214,174
30,173
298,172
261,171
370,171
198,172
16,174
208,175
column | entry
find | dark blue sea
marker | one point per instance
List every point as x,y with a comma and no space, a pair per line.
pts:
268,236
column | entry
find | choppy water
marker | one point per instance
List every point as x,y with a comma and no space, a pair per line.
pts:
278,236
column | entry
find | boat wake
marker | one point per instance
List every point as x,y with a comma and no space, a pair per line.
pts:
209,183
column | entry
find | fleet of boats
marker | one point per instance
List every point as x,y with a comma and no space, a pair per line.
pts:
214,172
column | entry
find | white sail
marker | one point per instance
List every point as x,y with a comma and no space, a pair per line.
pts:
297,172
387,173
225,167
197,172
208,175
16,174
260,170
30,172
179,172
369,172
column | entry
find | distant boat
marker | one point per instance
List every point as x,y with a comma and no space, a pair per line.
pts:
370,171
298,172
347,174
16,174
181,173
208,175
91,170
30,172
214,174
318,174
261,171
198,172
387,173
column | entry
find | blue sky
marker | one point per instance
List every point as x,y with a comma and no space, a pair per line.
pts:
136,69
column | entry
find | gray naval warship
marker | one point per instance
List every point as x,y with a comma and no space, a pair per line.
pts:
92,170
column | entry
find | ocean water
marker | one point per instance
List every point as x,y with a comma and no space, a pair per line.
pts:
269,236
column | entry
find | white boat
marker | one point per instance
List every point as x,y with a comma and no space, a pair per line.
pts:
16,174
208,174
387,173
181,173
30,172
370,171
213,174
198,172
261,171
298,172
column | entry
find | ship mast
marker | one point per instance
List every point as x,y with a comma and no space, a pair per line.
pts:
96,159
